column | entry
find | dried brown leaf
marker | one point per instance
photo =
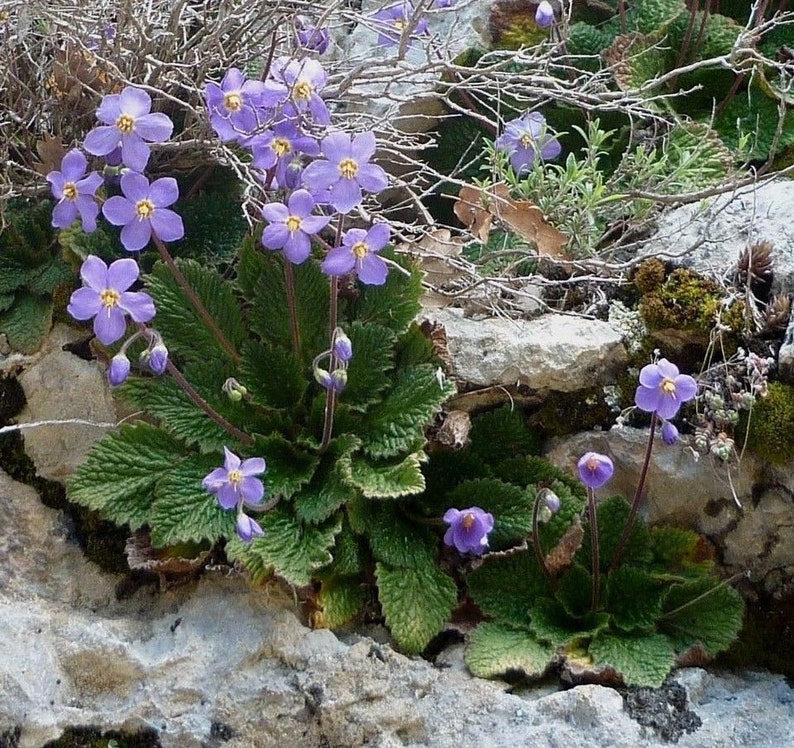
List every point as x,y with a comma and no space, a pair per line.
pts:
561,556
51,152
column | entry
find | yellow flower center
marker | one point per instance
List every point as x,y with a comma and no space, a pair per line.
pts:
293,223
360,250
110,298
303,90
144,208
348,168
233,102
280,146
526,140
468,521
125,124
235,477
399,24
70,191
668,387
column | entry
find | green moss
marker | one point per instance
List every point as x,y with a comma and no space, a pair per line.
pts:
94,737
771,425
689,302
649,275
570,412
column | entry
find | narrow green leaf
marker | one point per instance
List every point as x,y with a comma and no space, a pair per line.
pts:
293,550
340,599
184,510
384,480
416,603
495,650
704,611
119,476
641,660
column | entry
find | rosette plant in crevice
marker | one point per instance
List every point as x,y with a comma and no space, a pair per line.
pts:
572,576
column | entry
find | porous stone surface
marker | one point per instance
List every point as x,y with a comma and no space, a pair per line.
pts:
220,663
58,386
554,352
710,235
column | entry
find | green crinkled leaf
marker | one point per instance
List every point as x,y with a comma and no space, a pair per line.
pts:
49,277
650,15
612,515
393,305
495,650
397,424
326,493
273,375
340,599
713,35
395,539
120,474
27,322
165,400
633,598
697,157
347,552
550,623
575,590
293,550
288,467
702,611
552,531
373,357
509,505
635,59
6,300
184,331
268,302
678,551
641,660
414,347
184,510
585,39
384,480
446,469
416,602
502,433
77,245
505,587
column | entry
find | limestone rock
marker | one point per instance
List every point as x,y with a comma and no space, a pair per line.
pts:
553,352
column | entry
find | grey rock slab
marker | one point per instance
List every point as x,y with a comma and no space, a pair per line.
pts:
59,386
709,236
554,352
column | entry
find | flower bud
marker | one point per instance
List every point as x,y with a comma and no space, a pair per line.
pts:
544,15
234,390
247,528
338,379
157,358
119,370
669,433
342,348
595,469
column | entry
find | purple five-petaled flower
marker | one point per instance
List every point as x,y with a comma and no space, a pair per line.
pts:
359,254
279,146
346,170
392,21
74,190
526,139
663,390
105,297
143,211
235,483
303,79
311,38
290,226
595,469
468,529
128,123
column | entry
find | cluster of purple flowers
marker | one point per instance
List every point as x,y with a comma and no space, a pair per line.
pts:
127,127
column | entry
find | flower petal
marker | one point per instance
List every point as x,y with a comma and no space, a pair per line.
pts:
134,152
108,111
84,304
685,387
102,140
227,496
138,305
372,178
94,273
122,274
253,466
301,203
339,261
135,235
119,210
275,236
363,146
372,270
167,225
135,186
648,399
345,195
73,165
337,146
135,102
230,460
651,376
252,490
156,128
110,325
164,192
63,214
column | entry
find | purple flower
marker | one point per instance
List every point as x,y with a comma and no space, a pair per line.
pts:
524,139
279,146
595,469
236,105
234,484
290,226
544,15
359,253
248,528
105,297
142,211
468,529
663,390
303,78
74,191
312,38
128,124
119,370
346,171
669,433
392,21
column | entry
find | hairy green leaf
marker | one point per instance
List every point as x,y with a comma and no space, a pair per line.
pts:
633,598
612,515
550,623
641,660
326,493
273,375
340,599
289,468
416,603
373,358
496,650
502,433
347,552
575,591
384,479
27,321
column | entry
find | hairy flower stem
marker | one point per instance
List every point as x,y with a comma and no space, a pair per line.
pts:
330,403
595,551
536,542
635,505
292,306
201,403
195,300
